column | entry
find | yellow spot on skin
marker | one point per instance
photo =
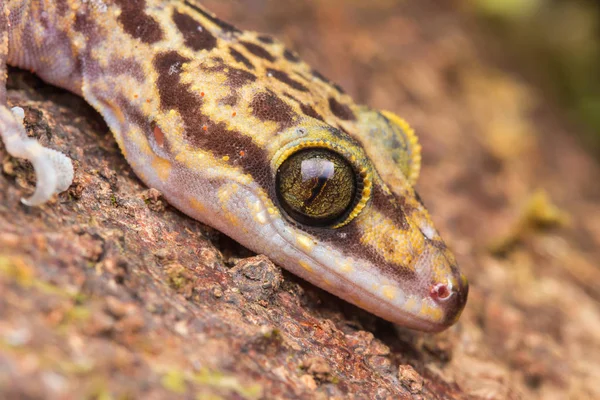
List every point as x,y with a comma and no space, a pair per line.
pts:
255,206
193,160
197,206
410,304
141,144
305,265
225,158
360,303
305,243
389,292
233,220
346,267
258,214
432,313
260,218
162,168
224,194
395,244
118,114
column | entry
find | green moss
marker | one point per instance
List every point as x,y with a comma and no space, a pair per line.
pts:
23,274
17,270
174,381
178,276
228,383
274,334
507,8
177,382
76,314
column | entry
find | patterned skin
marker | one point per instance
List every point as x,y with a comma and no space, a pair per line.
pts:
237,132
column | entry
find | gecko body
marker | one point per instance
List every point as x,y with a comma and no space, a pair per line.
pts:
237,132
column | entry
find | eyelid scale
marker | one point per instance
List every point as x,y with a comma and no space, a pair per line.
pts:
391,142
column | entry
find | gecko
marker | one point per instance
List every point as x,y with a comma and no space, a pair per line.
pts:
236,131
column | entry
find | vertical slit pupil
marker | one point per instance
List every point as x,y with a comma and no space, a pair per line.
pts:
316,186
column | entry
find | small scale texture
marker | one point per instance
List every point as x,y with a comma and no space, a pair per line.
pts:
105,294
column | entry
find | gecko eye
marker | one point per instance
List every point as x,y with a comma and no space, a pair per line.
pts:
316,187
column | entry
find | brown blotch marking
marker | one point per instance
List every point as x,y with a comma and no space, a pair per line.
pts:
289,96
200,130
137,23
235,77
309,111
230,100
290,56
126,66
93,33
390,206
341,128
342,111
406,207
320,76
339,88
267,106
228,28
285,78
419,199
194,34
133,114
438,244
239,57
234,146
62,7
239,77
258,51
265,39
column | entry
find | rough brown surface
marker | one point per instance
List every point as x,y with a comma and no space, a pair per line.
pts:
108,292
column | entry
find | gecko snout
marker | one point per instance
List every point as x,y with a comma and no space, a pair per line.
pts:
451,298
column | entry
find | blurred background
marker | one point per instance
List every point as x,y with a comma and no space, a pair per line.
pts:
558,43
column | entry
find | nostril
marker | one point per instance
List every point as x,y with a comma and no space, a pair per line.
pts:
441,292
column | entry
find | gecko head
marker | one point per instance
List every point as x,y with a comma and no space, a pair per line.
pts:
340,211
359,233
